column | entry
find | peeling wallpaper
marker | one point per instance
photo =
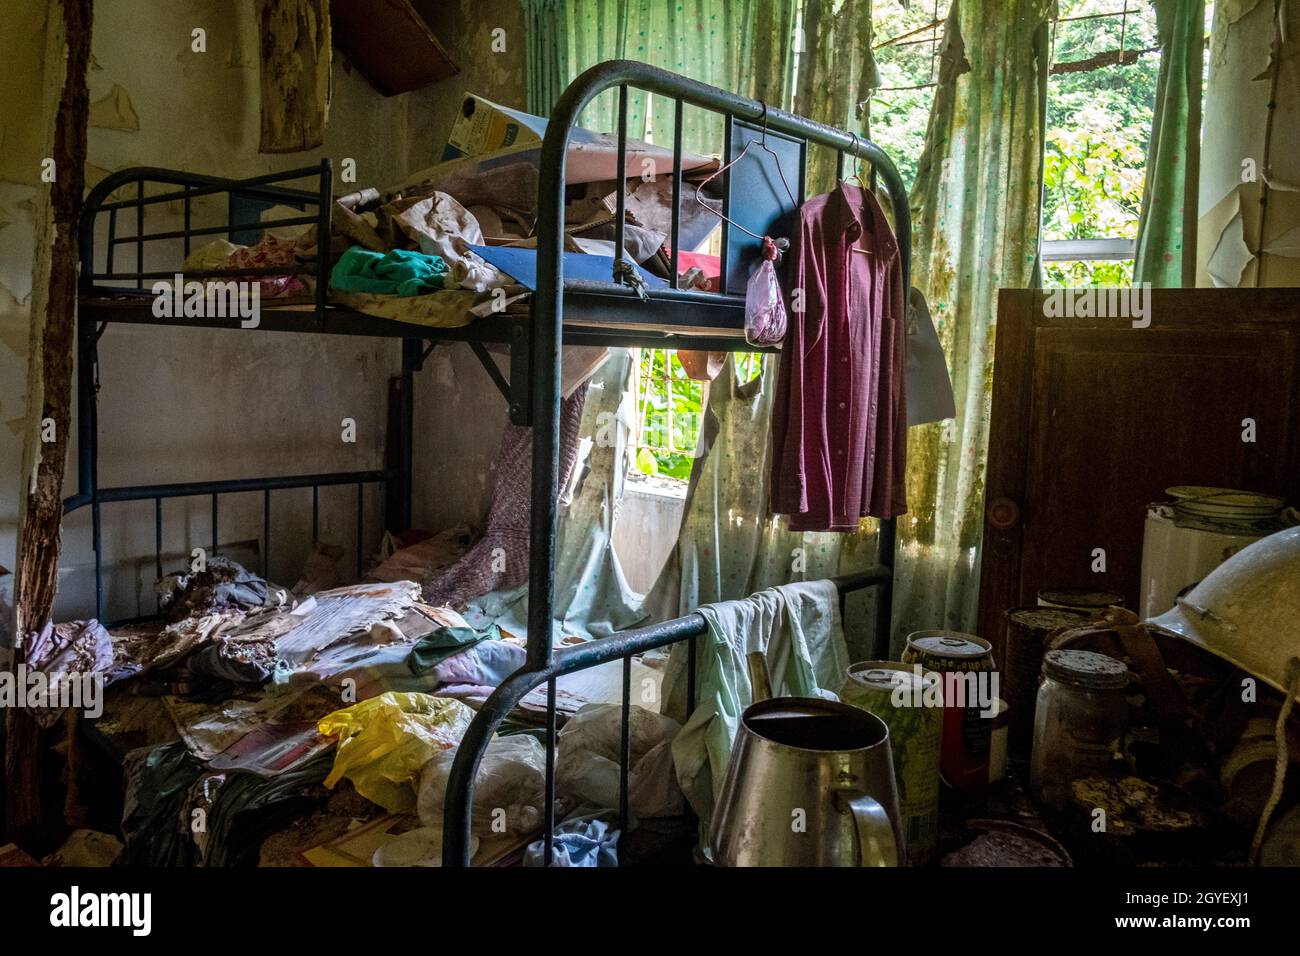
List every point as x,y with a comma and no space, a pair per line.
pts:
1242,149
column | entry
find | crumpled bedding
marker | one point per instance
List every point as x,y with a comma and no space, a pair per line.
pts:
442,227
273,249
66,651
207,653
579,841
222,585
448,309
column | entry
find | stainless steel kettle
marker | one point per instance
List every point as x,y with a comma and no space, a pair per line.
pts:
810,783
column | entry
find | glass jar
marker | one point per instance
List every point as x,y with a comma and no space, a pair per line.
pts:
1079,720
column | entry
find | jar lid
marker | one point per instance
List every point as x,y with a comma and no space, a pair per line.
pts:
1223,502
1036,617
950,644
1086,598
1085,669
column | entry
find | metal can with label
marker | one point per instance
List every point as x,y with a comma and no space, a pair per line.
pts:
896,694
968,707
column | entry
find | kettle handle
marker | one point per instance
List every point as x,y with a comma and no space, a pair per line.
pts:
876,841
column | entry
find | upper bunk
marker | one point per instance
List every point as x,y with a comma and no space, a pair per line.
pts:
145,225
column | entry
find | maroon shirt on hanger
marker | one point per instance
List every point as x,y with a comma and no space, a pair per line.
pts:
839,419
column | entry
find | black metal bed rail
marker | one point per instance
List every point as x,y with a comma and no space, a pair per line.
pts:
544,664
192,185
267,188
214,489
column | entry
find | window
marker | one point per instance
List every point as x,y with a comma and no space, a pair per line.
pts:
670,408
1100,98
909,39
1101,95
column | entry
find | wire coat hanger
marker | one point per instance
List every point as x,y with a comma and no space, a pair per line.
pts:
762,144
857,164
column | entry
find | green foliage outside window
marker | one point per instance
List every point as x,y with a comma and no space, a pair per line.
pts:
1098,125
669,408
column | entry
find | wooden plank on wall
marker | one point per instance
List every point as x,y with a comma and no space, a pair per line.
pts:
296,83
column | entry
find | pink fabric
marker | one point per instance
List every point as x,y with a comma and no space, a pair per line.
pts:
271,251
839,418
483,568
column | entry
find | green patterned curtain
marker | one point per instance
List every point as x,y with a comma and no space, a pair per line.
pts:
547,30
975,218
1166,245
739,45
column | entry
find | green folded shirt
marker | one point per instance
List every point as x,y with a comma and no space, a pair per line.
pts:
400,272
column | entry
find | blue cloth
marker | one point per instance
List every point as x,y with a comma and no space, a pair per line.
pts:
578,841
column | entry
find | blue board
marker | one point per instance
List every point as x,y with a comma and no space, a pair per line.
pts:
756,198
521,265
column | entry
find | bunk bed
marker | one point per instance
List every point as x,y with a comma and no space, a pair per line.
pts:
561,312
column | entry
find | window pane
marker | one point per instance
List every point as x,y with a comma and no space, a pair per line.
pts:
1098,120
1083,273
908,39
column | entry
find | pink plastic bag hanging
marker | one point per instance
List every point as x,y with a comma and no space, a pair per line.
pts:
765,320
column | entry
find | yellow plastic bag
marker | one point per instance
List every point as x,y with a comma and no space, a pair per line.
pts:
384,742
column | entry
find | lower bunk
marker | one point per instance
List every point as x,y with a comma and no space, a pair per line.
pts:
225,735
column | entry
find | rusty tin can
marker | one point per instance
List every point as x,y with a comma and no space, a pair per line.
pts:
896,694
967,724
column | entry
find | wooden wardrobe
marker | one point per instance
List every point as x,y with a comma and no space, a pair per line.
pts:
1093,418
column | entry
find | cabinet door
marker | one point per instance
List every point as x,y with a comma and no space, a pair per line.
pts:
1092,419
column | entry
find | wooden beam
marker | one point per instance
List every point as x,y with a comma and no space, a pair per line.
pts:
1109,58
49,382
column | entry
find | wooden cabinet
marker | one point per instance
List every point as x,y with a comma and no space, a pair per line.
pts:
1093,418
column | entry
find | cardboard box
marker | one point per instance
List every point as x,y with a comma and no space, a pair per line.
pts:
485,127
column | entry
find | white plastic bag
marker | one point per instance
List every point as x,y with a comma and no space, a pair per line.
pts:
765,320
586,772
509,788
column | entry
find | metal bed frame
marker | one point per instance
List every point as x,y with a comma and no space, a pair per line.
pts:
610,314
